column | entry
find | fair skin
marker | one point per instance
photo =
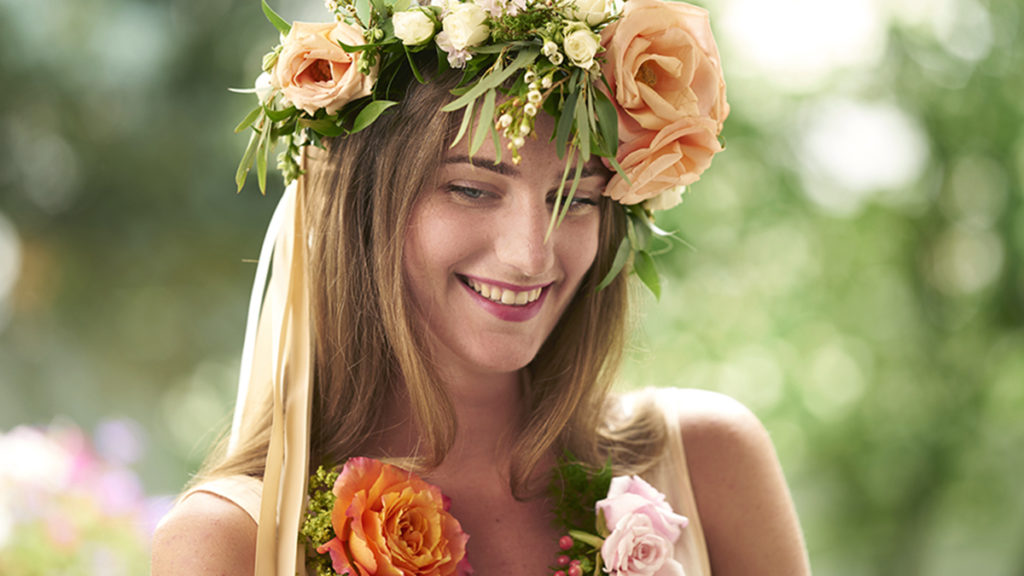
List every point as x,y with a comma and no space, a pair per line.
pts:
477,233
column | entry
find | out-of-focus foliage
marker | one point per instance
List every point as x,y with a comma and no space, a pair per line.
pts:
855,274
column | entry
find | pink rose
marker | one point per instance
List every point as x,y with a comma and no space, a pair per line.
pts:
631,495
314,72
635,548
663,66
659,163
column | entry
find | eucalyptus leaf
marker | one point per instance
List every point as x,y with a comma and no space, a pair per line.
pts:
621,256
262,154
484,122
280,23
370,113
247,159
324,127
607,123
364,12
467,117
564,127
494,78
412,65
643,265
249,119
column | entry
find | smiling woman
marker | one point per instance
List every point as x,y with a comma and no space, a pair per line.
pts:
447,312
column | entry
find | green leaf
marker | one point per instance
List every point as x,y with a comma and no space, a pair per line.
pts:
621,256
249,119
279,115
607,123
493,78
564,127
247,159
484,122
643,265
262,154
282,26
587,538
364,12
324,126
583,127
467,117
370,113
412,66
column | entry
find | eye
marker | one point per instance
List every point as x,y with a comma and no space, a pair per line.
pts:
467,192
578,204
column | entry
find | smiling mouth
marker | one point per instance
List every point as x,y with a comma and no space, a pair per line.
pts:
501,295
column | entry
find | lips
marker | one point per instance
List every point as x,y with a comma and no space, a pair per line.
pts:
506,302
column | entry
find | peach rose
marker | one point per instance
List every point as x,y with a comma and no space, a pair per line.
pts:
659,163
390,522
662,66
314,72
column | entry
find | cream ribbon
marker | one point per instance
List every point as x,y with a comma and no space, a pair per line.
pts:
277,354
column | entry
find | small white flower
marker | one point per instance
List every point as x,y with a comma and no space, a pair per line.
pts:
505,120
534,97
550,50
530,109
466,26
524,129
545,82
518,142
530,76
581,45
413,27
264,87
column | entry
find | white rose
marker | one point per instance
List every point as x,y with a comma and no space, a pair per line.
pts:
465,26
590,11
413,27
581,45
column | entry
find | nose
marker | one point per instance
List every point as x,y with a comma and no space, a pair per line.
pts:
520,242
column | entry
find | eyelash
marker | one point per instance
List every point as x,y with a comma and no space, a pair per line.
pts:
470,193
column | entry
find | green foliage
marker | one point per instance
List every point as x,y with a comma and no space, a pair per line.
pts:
317,529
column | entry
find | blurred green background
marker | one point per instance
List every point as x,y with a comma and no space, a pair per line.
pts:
856,274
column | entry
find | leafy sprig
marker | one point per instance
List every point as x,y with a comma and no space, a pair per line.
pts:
317,529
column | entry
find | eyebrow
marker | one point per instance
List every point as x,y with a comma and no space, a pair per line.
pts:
505,169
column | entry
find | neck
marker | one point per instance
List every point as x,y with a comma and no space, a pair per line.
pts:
487,408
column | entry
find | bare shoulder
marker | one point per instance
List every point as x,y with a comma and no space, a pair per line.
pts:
745,506
204,534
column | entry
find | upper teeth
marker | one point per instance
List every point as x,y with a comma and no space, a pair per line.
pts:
504,295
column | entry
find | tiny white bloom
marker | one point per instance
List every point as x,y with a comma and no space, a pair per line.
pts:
550,49
534,96
524,129
530,76
413,27
519,141
505,120
545,82
530,109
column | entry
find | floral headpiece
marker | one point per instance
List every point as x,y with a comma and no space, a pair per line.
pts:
642,88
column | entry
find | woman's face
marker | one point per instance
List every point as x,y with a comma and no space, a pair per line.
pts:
484,281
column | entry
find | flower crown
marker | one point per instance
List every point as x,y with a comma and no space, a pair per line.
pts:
642,88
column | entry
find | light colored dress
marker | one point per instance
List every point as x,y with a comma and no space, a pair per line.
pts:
671,476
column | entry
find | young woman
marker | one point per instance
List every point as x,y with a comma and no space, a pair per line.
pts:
442,309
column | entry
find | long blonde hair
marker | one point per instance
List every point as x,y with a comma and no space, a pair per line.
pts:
361,191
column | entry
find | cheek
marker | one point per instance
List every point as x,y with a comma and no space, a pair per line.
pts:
578,247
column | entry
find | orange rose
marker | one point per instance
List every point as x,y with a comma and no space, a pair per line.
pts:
314,72
659,163
390,522
662,64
